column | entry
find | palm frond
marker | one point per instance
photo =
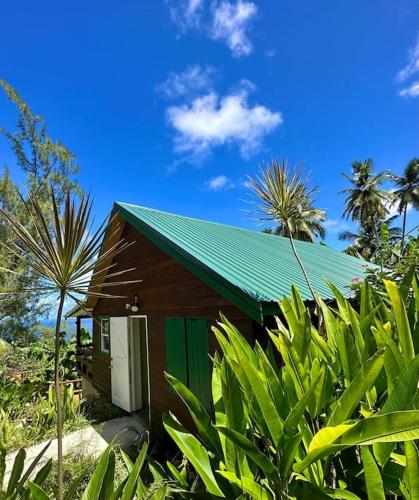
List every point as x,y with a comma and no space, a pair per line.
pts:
65,253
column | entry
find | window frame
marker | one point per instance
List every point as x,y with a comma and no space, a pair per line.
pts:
104,351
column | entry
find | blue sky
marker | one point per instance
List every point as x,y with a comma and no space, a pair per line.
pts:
171,104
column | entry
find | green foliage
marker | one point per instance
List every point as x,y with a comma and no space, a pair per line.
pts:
368,205
393,262
27,412
114,476
34,421
25,372
18,484
43,163
337,419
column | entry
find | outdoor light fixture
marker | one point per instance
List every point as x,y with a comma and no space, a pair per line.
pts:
135,306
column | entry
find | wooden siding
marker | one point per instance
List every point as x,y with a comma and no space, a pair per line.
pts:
167,289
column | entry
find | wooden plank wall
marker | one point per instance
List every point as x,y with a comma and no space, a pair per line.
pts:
167,289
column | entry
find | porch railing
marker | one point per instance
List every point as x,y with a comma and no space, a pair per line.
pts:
84,360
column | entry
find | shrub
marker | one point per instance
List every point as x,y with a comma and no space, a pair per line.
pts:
336,420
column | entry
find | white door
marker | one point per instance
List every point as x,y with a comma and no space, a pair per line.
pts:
120,363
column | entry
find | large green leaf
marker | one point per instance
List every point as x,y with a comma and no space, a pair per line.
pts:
256,389
331,323
273,383
130,487
389,428
299,326
372,476
356,330
194,452
348,357
293,362
17,470
341,301
37,492
400,316
252,488
329,435
362,383
293,419
94,486
22,481
198,413
393,359
259,458
233,398
109,478
412,468
43,473
401,398
288,454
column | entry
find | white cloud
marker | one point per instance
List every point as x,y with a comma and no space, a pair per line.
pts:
392,207
210,121
193,79
231,23
411,69
219,19
411,91
334,226
412,66
186,14
220,182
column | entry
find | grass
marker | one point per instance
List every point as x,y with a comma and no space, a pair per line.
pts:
77,465
99,410
26,430
23,435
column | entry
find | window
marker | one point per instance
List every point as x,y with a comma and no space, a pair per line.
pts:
104,335
187,354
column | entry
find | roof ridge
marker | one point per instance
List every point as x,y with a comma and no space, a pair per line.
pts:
121,203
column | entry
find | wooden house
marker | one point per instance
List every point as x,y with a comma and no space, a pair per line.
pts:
191,271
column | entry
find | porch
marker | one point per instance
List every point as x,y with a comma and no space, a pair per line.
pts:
84,350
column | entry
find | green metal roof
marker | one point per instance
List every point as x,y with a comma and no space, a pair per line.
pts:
251,269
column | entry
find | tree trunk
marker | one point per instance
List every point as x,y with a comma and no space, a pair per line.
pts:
302,268
60,481
403,229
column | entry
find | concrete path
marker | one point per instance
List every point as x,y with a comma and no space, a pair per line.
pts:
88,441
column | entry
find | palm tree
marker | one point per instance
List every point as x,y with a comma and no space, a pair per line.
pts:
285,198
407,192
366,203
363,243
64,254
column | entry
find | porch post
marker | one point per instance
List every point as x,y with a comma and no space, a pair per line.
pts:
78,333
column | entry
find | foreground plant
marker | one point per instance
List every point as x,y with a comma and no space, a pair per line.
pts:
103,483
337,420
63,254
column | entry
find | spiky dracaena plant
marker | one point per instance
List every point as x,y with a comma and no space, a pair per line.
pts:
64,252
285,198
